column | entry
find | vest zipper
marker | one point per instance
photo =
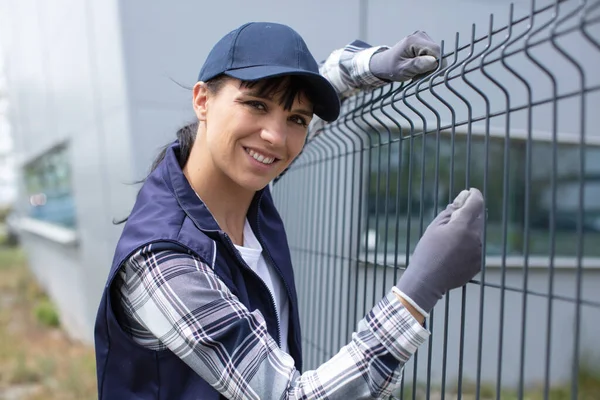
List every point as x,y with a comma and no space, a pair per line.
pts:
241,260
266,250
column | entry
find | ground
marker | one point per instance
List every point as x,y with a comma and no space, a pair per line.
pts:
37,359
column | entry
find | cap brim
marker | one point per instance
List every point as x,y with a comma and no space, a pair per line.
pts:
327,102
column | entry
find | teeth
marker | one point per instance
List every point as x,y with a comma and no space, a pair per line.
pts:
260,157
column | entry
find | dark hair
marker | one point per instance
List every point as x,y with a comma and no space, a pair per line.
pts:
283,88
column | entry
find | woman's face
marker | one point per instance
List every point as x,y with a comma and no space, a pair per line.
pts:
248,138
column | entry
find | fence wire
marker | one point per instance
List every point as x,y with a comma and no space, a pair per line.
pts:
513,110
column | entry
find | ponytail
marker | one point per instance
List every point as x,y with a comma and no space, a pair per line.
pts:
186,137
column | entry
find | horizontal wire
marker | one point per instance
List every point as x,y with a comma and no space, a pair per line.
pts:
351,260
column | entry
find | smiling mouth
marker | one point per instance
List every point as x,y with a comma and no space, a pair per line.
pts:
260,157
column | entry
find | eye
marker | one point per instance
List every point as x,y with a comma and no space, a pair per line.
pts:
299,120
257,105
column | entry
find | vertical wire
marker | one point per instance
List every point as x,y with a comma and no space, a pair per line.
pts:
367,168
280,194
552,223
296,249
335,288
581,192
463,305
309,170
411,132
552,220
408,214
485,187
303,263
517,75
526,224
302,245
343,179
526,220
421,229
312,170
398,193
408,234
387,185
450,191
435,195
359,206
296,245
505,195
331,249
326,251
596,44
397,204
373,131
322,251
423,149
421,206
339,241
386,210
352,196
314,253
376,250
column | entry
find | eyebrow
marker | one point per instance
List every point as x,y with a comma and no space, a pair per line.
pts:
304,112
256,93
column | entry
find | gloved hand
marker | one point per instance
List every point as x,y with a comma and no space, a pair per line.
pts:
448,254
415,55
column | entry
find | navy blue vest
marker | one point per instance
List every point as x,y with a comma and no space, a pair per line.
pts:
168,213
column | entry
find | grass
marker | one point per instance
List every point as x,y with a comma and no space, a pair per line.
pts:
588,389
38,360
46,313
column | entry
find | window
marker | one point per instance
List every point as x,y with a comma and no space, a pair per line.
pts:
386,184
49,189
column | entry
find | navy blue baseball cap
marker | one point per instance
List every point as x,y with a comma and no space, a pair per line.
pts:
259,50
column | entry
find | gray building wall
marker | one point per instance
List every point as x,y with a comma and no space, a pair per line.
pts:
104,77
66,80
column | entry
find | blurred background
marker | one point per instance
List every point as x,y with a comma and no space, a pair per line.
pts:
90,90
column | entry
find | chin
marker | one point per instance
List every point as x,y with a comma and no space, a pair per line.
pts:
254,185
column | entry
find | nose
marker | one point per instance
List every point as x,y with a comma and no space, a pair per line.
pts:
275,133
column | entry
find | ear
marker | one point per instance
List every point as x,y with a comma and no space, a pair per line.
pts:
200,99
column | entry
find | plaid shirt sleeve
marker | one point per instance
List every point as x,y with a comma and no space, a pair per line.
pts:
347,69
183,304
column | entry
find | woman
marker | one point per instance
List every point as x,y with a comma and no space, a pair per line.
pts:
200,302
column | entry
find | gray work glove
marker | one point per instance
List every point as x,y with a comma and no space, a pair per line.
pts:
413,56
448,255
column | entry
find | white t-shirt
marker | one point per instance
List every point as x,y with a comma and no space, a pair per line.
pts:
252,253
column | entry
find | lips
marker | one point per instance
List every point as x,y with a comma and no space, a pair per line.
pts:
260,157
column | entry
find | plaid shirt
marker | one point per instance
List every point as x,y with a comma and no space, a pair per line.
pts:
347,69
174,301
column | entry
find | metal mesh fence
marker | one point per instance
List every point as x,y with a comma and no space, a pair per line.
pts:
514,110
